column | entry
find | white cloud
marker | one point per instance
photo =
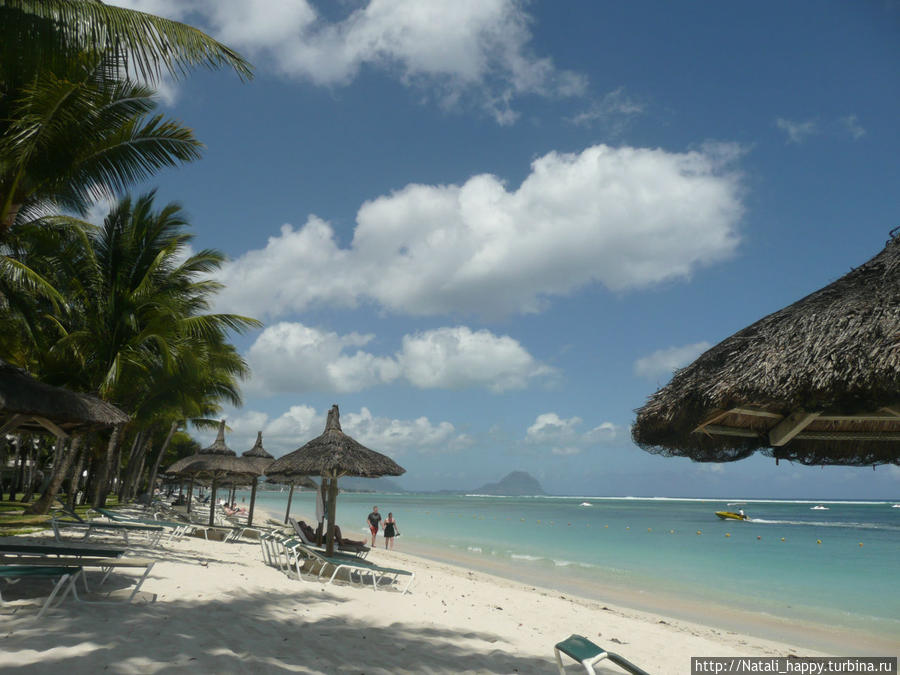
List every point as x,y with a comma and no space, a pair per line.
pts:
452,49
627,218
456,358
399,437
613,110
301,423
291,357
851,122
563,437
550,426
98,211
797,132
663,362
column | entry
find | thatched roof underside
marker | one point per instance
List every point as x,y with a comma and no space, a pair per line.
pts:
236,468
334,454
296,481
817,382
31,405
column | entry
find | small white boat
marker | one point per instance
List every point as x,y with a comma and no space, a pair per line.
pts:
819,508
585,504
896,506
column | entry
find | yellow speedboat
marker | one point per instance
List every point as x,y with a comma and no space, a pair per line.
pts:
731,515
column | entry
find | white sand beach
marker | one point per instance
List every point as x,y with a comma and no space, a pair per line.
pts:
215,607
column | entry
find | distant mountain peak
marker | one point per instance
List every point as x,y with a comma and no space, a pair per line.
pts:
514,484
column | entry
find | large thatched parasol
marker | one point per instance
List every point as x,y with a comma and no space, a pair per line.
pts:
27,403
215,462
817,382
259,459
332,455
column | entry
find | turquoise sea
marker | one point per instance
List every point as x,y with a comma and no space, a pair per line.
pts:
670,555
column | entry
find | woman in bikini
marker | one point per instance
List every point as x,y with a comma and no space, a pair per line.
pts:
390,531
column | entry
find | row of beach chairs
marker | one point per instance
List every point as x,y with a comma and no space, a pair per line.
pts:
291,554
67,565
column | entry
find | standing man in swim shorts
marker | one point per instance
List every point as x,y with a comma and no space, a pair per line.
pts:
374,523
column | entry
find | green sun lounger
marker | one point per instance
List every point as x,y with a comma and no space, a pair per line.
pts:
10,547
177,528
587,654
65,577
105,565
351,563
154,531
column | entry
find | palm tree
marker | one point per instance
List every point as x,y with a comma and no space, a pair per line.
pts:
62,65
137,320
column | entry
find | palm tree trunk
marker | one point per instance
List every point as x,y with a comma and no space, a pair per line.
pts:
161,454
132,478
134,446
101,489
20,472
42,505
75,480
30,462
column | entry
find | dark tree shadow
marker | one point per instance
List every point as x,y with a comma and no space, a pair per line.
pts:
262,632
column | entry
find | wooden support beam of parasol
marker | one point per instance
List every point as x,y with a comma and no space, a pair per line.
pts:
51,427
12,423
792,425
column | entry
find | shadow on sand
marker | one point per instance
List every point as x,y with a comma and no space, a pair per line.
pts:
261,632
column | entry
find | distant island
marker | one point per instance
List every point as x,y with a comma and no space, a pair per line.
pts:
515,484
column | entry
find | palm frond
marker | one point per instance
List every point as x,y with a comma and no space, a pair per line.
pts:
147,44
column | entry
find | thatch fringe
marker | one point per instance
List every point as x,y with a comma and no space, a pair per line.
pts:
836,351
22,394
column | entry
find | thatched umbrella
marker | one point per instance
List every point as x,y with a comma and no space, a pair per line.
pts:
817,382
259,459
27,403
214,462
331,455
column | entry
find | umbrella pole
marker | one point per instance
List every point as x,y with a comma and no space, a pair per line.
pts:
287,514
322,491
190,494
332,508
252,502
212,502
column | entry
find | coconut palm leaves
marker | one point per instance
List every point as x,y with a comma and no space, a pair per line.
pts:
45,33
139,301
76,136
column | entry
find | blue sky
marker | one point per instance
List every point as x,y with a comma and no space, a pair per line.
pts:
489,230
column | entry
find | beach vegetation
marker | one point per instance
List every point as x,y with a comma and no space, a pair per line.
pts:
120,310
